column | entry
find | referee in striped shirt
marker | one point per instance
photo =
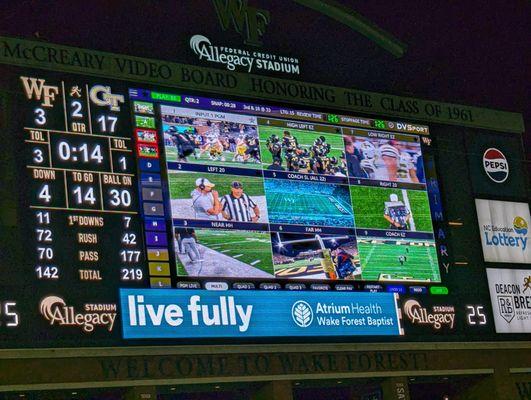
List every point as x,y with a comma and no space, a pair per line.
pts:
237,205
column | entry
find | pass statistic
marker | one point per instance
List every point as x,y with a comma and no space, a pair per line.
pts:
138,215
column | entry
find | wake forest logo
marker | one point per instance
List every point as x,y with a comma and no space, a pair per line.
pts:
37,89
248,21
438,317
495,165
55,310
514,300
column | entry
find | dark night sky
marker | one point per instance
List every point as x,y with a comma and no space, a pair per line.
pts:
472,52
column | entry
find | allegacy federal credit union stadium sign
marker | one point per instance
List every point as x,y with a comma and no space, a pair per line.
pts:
68,59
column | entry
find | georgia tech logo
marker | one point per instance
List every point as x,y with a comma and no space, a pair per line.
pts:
102,96
440,315
302,314
55,310
495,165
35,88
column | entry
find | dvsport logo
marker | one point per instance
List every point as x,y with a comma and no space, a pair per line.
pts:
495,165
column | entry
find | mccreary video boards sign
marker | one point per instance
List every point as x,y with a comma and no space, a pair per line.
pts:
510,294
167,313
504,231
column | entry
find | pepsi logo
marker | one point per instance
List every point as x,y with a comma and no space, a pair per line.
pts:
495,165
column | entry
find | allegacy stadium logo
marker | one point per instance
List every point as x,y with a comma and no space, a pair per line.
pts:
438,317
495,165
55,310
250,61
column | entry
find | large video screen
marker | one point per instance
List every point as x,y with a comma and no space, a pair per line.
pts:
135,215
264,197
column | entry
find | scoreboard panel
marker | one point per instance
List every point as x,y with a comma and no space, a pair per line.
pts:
141,215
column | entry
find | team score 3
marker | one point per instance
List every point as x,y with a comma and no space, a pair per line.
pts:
130,256
47,272
132,274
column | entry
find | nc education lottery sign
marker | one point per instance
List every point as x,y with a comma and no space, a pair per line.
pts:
170,313
510,294
504,231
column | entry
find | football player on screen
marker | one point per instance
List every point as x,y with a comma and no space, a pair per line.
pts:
397,214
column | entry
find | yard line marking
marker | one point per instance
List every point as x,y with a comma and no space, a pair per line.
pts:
237,256
255,262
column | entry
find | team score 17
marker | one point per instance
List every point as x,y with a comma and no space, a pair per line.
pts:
47,272
130,256
131,274
107,123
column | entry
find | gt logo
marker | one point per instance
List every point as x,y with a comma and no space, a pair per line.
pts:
34,87
102,96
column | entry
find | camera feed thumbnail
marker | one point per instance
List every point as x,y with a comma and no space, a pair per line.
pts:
216,197
384,160
143,107
232,141
396,209
223,253
308,203
304,256
398,260
295,150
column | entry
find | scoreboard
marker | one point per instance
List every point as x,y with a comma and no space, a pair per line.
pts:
135,215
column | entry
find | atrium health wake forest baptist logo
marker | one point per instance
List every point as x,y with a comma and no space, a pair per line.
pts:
302,314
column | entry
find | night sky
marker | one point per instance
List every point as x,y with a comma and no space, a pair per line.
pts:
473,52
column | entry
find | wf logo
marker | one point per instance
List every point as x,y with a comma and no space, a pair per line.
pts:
248,21
35,88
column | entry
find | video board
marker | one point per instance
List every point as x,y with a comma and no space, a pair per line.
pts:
143,215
